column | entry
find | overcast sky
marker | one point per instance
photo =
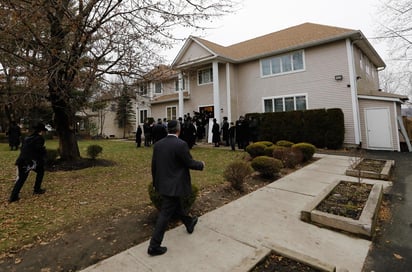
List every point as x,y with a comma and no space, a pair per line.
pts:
259,17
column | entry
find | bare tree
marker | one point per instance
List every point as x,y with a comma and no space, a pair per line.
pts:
395,28
67,45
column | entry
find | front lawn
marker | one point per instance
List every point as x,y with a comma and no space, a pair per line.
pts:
76,197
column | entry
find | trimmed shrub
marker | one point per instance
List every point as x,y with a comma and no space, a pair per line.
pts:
307,150
266,143
236,172
187,201
335,134
268,151
256,149
268,167
284,143
93,151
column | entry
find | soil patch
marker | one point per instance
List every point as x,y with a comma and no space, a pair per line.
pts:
371,165
275,262
347,199
82,163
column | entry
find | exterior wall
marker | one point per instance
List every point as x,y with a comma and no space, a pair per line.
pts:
394,111
367,81
110,126
194,52
317,81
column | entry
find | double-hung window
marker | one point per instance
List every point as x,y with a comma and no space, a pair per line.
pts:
283,64
205,76
285,103
158,87
171,112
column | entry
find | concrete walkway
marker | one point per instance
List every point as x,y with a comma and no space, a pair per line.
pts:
236,236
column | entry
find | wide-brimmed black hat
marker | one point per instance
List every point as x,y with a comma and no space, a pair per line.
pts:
40,127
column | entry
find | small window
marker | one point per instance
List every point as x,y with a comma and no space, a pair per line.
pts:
171,113
143,89
142,116
205,76
158,87
177,84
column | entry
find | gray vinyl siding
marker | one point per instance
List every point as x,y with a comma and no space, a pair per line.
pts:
317,81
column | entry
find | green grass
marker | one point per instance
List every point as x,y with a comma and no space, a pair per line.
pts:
76,197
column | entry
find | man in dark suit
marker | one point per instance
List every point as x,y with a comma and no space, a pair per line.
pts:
171,164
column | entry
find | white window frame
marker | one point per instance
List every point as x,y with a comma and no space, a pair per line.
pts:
283,97
200,73
279,59
171,116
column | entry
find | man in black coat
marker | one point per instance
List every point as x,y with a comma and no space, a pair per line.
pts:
171,164
32,157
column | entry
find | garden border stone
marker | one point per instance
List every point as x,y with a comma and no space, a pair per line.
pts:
365,226
384,174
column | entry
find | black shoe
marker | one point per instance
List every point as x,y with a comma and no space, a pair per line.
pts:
14,199
155,251
39,192
192,225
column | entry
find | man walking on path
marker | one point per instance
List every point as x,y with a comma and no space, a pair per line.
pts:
171,163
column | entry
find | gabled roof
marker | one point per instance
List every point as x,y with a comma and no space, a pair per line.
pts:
293,38
160,73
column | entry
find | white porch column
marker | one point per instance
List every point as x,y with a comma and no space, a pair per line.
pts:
180,91
228,93
216,98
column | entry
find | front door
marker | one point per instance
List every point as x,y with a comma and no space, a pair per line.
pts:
378,128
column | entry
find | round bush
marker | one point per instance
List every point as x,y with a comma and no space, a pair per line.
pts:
307,150
266,143
284,143
268,167
94,150
187,201
256,149
236,172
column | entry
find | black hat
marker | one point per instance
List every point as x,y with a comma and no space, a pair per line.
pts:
173,126
40,127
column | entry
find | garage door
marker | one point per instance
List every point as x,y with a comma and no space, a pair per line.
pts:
378,128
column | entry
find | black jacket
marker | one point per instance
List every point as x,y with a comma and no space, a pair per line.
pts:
33,149
171,162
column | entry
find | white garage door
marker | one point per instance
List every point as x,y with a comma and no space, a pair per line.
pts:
378,128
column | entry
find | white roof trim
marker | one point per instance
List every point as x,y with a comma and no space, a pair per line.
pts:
380,98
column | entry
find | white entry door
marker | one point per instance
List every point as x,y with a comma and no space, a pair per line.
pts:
378,128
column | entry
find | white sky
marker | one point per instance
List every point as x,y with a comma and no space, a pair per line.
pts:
259,17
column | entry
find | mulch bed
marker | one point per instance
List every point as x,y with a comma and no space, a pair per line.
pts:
275,262
347,199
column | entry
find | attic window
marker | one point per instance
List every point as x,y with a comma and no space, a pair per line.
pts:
282,64
205,76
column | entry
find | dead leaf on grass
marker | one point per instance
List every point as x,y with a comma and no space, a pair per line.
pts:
397,256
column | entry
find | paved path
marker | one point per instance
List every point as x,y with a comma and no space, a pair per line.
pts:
237,235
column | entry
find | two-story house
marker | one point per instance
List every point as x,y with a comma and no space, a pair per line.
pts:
308,66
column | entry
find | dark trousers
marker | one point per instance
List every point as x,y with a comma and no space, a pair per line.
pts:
171,206
23,173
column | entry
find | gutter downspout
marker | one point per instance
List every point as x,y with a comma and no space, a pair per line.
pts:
354,91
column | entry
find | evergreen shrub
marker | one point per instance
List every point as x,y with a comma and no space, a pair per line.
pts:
256,149
307,150
93,151
268,167
284,143
187,201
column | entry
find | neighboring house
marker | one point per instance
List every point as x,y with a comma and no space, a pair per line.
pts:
308,66
102,117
